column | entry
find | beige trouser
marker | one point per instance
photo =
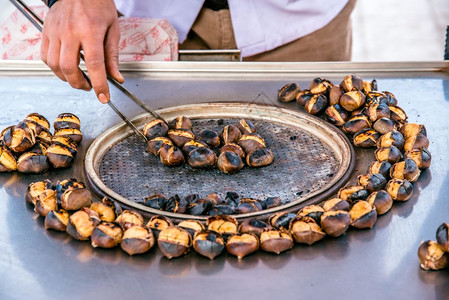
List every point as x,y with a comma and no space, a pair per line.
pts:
333,42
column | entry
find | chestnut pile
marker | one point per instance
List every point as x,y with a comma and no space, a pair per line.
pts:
30,147
434,255
212,204
228,151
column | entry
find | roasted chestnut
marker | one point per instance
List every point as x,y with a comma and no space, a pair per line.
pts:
137,240
316,104
259,158
246,126
57,220
303,96
335,93
373,97
399,190
210,137
336,222
192,145
368,87
270,202
44,137
155,128
288,92
8,162
46,202
230,134
242,244
388,99
64,141
251,141
443,236
384,125
363,215
33,126
421,157
93,215
104,211
80,225
412,129
35,189
390,154
173,204
416,142
381,200
397,114
352,100
232,198
432,256
222,209
372,182
40,119
254,226
275,241
312,211
225,225
192,226
380,167
66,120
155,145
281,220
158,223
174,242
392,138
366,138
180,136
214,198
306,231
181,123
19,138
74,199
129,218
351,83
377,111
171,156
233,148
336,204
406,169
202,157
320,86
248,205
336,115
356,124
60,156
106,235
199,207
208,243
353,193
75,134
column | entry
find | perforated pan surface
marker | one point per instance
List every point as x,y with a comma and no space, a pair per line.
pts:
311,157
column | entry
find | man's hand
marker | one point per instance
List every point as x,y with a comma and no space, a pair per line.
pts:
88,25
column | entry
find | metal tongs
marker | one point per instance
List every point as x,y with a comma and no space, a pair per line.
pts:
38,23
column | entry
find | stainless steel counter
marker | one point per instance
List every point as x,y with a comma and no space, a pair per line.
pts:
363,264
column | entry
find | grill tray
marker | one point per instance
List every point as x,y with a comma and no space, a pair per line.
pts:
312,160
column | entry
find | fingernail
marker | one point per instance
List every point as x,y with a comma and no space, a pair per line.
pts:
120,77
102,98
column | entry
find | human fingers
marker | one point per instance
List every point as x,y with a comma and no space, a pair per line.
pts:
44,47
53,55
68,63
111,52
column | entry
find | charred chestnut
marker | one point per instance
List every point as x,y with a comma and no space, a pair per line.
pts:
173,204
281,220
336,204
174,242
93,215
275,241
199,207
66,142
40,119
392,138
270,202
406,169
192,226
80,226
8,162
336,222
60,156
19,138
66,120
155,128
180,136
233,148
242,244
368,87
181,123
372,182
384,125
214,199
352,100
390,154
353,193
312,211
388,99
381,200
202,157
246,126
399,190
416,142
106,235
158,223
74,199
306,231
366,138
137,240
75,134
432,256
336,115
259,158
288,92
380,167
57,220
351,83
230,134
421,157
171,156
397,114
443,236
155,145
373,97
411,129
209,137
253,226
44,137
104,211
208,243
320,86
35,189
251,141
225,225
232,198
46,202
356,124
377,111
248,205
193,145
335,93
316,104
303,96
129,219
222,209
363,215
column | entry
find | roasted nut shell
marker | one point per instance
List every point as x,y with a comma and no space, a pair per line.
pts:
60,156
381,200
106,235
253,226
356,124
303,96
129,219
366,138
8,162
35,189
208,243
209,137
363,215
57,220
316,104
158,223
288,92
443,236
381,167
137,240
353,193
416,142
171,156
80,226
155,128
312,211
390,154
276,241
335,93
193,145
336,204
202,157
233,148
251,141
335,223
422,157
412,129
260,158
75,199
225,225
19,138
270,202
46,202
242,244
336,115
75,134
246,126
40,119
306,231
432,256
320,86
174,242
192,226
351,83
230,134
181,123
352,100
392,138
372,182
406,169
384,125
104,211
281,220
180,136
377,111
399,190
397,114
66,120
155,145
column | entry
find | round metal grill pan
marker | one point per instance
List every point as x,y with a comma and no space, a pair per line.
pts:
311,157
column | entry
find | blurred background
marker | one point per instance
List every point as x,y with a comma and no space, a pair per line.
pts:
383,30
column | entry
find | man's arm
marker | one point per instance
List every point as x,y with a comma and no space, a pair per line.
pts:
88,25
